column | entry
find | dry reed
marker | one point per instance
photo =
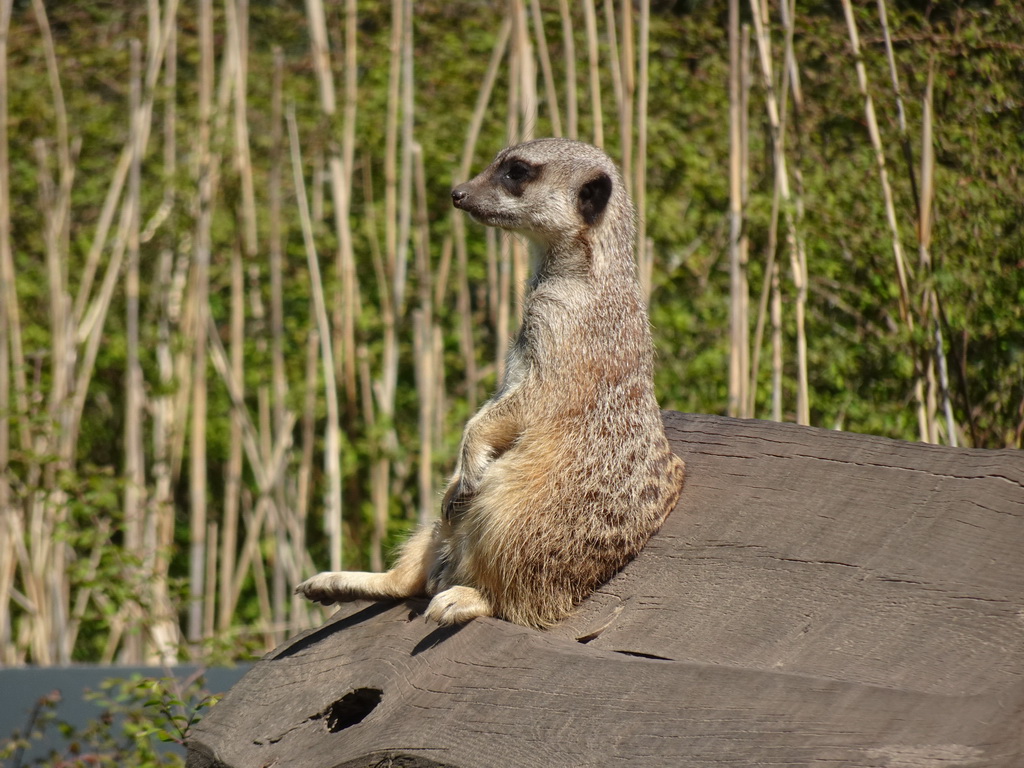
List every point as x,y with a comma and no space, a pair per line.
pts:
249,542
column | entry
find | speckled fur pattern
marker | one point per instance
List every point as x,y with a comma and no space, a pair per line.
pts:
565,473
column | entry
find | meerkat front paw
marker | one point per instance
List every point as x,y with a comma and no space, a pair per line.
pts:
339,586
457,605
321,588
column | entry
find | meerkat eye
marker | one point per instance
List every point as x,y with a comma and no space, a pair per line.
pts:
515,175
517,171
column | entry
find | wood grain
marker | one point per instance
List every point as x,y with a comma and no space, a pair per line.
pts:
817,598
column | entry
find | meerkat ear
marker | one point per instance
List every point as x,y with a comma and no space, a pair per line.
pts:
593,198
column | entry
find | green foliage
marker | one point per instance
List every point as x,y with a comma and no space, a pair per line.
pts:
138,716
862,357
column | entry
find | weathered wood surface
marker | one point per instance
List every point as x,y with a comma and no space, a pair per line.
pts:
816,599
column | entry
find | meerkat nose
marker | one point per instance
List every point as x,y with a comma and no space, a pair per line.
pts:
458,195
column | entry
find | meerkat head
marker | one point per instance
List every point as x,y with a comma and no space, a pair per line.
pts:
551,191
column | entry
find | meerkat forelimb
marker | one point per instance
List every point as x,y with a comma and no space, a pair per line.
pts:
407,578
565,473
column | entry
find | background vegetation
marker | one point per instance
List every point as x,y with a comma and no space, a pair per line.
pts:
142,722
241,326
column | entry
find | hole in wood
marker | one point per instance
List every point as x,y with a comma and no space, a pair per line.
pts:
352,708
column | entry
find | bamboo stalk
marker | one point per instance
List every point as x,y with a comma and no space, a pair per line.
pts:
593,68
85,594
60,223
300,611
930,358
645,257
34,576
275,245
159,531
615,64
52,203
798,254
372,390
787,10
483,100
236,23
504,307
902,269
233,470
134,459
423,334
569,56
279,380
351,295
243,158
785,197
876,143
798,265
768,283
258,568
626,112
316,186
777,358
200,309
267,469
930,306
930,303
527,73
279,531
56,204
99,240
464,307
117,627
340,173
394,287
514,105
426,379
70,410
210,579
493,282
398,189
8,563
739,375
545,67
332,450
901,114
466,342
155,57
522,118
405,178
17,533
51,556
441,407
312,379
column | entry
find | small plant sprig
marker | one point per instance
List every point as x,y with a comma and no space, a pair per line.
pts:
137,715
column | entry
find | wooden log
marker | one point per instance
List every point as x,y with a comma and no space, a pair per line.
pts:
817,598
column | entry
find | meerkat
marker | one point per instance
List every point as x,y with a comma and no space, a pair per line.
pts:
565,473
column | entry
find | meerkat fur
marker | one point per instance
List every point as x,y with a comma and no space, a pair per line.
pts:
565,473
